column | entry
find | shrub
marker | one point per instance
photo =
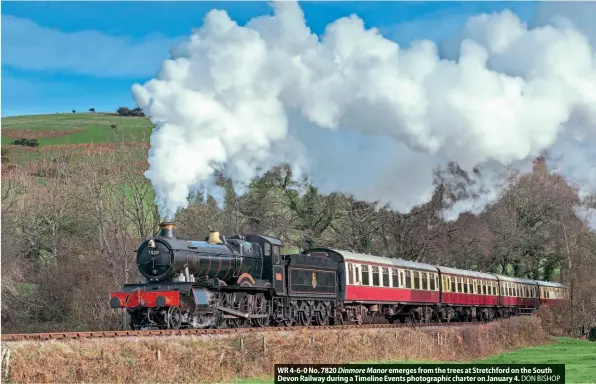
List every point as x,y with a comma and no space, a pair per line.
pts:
26,142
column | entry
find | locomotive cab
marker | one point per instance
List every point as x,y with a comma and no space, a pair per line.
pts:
268,248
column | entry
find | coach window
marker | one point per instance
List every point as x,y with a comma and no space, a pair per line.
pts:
470,286
453,284
350,274
424,279
466,285
375,276
365,275
445,283
385,272
416,277
408,279
395,278
494,288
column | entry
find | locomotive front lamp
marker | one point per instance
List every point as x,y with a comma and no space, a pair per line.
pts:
151,244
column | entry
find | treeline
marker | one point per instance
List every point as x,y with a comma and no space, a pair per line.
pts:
69,241
124,111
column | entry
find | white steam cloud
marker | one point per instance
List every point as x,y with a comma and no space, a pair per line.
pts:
362,115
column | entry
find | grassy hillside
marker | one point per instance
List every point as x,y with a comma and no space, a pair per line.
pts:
75,131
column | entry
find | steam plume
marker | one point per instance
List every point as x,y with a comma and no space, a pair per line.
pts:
361,114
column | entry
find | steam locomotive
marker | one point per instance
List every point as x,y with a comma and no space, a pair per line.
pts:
246,280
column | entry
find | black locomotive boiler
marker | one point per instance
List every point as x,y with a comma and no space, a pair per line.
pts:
234,282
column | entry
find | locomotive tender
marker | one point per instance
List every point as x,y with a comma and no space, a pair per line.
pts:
247,281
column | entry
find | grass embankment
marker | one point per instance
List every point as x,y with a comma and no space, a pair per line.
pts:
579,357
221,359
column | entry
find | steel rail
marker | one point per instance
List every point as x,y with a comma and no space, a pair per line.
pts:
214,331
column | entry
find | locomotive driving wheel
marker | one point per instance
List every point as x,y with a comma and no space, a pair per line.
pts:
174,318
241,305
227,301
262,306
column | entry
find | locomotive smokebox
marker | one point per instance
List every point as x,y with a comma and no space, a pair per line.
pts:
166,229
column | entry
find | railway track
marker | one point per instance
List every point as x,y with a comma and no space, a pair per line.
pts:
202,332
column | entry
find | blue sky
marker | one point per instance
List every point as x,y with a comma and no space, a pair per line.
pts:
59,56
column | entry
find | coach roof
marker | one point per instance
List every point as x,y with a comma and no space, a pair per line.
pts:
550,284
386,261
519,280
463,272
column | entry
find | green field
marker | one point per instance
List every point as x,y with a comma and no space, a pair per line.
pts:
579,357
94,128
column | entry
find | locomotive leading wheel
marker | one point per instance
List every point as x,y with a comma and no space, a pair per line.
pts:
174,318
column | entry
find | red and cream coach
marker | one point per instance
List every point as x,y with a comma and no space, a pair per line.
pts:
407,291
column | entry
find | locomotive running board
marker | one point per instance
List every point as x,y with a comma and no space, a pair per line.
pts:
240,314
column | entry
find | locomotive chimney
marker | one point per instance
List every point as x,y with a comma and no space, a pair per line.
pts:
166,229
